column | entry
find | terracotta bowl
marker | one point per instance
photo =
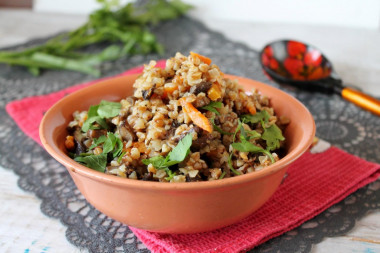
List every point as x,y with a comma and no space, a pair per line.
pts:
175,207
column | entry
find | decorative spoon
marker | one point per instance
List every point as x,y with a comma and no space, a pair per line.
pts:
304,66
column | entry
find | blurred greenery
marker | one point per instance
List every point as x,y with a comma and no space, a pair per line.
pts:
124,27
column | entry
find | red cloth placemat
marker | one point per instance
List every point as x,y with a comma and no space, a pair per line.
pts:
314,183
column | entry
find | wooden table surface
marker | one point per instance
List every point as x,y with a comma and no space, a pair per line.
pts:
354,52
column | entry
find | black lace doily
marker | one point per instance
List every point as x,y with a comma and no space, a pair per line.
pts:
338,122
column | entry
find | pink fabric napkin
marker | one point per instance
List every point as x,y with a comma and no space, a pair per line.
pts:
314,183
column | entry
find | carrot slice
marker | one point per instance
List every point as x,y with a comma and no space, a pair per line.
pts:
215,92
252,109
69,142
201,57
196,116
169,90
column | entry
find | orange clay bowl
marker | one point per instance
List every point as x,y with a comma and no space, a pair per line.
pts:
175,207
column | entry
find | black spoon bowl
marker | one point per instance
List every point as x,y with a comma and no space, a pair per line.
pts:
304,66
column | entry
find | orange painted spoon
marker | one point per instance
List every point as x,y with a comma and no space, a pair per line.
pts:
298,64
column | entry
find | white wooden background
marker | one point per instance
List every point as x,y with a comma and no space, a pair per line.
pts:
356,56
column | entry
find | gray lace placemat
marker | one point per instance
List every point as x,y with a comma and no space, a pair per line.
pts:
338,122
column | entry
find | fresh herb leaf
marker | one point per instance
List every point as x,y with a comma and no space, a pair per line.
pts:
246,146
229,161
98,113
272,135
110,143
170,173
158,162
212,107
253,134
118,150
247,135
91,120
255,118
177,155
113,144
93,111
222,176
221,130
121,156
97,141
95,162
216,128
182,149
108,109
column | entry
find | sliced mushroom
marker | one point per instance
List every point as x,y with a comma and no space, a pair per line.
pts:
125,131
201,141
146,94
201,87
96,133
78,138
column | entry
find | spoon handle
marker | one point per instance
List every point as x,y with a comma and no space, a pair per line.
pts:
362,100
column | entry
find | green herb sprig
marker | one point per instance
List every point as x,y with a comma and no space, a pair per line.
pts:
125,27
212,106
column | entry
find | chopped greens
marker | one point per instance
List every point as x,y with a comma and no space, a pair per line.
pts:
177,155
111,145
273,135
229,161
97,141
212,106
216,128
121,156
98,113
95,162
246,146
256,118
